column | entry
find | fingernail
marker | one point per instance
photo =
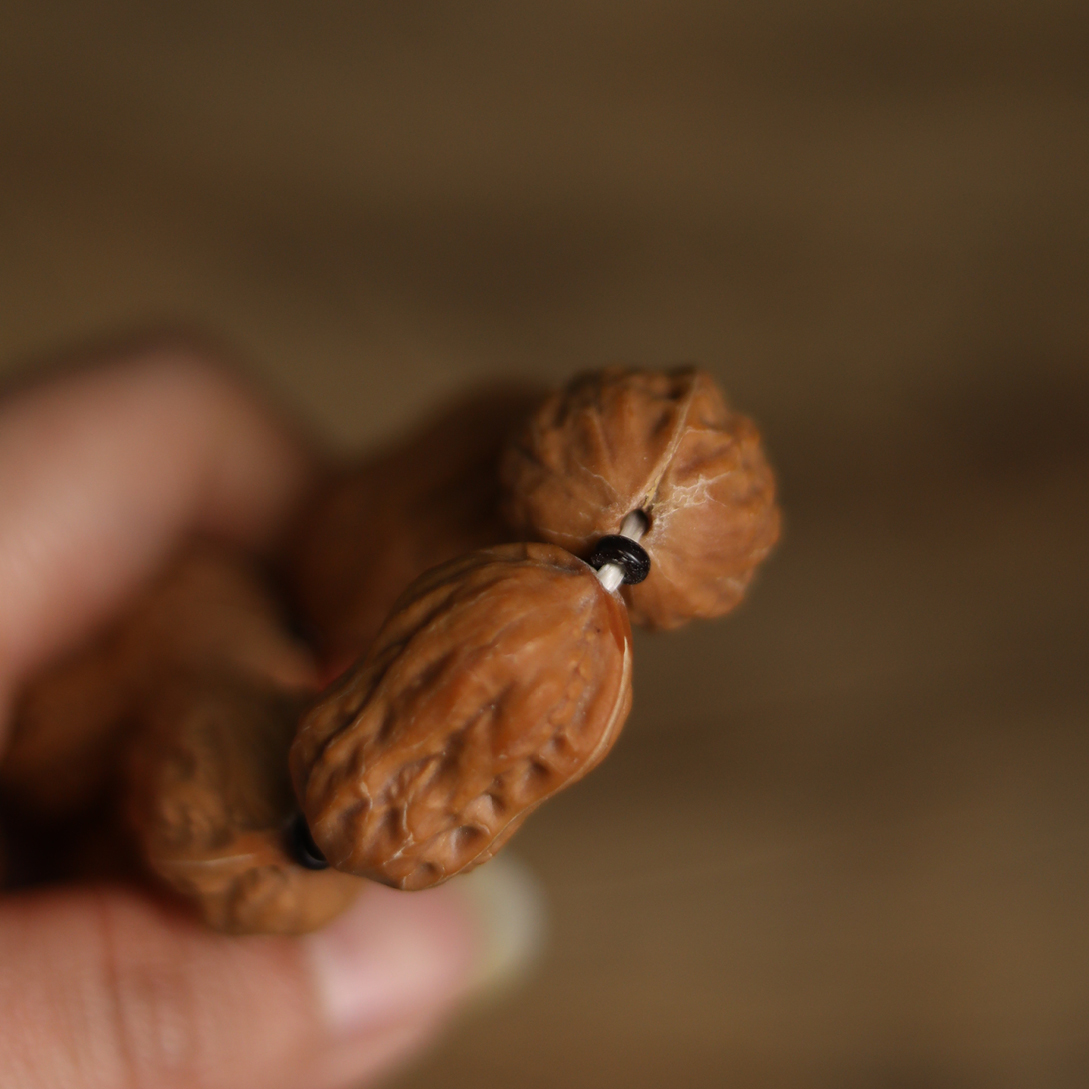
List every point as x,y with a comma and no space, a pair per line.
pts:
395,954
507,902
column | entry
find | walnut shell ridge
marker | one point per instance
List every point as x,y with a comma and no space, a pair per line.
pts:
499,678
666,443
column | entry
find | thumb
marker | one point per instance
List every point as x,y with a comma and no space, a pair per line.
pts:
105,987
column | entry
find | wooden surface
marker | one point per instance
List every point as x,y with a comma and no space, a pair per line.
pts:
844,839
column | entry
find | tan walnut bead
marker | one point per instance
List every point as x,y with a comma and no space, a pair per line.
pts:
210,611
377,523
209,801
665,443
500,677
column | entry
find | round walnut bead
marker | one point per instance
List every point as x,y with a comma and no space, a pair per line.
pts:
665,443
499,678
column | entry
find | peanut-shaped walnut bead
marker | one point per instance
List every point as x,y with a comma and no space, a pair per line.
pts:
499,678
665,443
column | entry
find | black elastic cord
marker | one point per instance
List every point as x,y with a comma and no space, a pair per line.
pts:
301,845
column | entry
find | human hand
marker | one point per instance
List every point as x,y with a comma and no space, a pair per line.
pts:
103,472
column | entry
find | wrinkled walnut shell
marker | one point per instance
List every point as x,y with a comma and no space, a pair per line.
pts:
500,678
210,801
665,443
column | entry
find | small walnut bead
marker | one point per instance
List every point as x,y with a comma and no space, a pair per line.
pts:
500,678
667,444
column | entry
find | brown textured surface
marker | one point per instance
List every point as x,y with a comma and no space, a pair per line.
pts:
209,799
185,712
664,443
500,678
209,610
870,794
378,524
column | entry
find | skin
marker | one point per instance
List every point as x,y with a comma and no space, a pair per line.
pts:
104,471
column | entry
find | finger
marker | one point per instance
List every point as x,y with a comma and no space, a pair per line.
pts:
103,471
106,989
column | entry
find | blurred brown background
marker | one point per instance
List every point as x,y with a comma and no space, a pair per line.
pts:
844,839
